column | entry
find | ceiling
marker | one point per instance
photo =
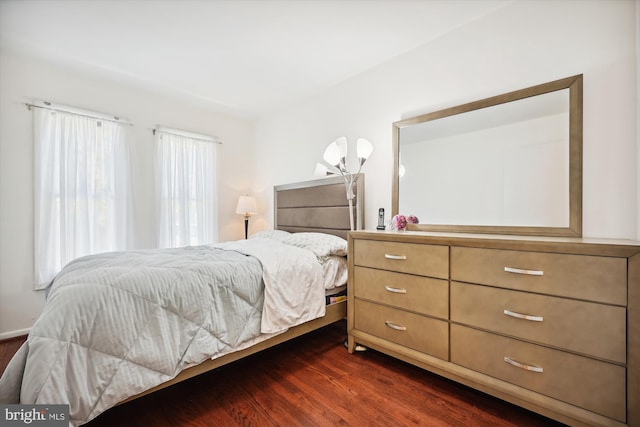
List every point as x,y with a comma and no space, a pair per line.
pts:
242,57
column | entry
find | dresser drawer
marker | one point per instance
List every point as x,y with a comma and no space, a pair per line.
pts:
423,295
594,329
591,278
424,334
594,385
424,260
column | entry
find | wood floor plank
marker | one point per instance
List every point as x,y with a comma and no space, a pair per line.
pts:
7,349
314,381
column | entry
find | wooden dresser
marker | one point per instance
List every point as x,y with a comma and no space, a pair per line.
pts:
549,324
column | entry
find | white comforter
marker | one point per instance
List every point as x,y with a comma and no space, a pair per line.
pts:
120,323
294,291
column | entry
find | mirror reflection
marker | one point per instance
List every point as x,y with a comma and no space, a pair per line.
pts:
509,164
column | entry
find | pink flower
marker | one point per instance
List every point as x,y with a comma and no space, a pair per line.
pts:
399,222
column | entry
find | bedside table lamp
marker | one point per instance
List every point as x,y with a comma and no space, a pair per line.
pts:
247,207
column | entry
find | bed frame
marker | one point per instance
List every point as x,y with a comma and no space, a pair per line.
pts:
318,206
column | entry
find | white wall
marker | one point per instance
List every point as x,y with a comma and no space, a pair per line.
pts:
520,45
23,80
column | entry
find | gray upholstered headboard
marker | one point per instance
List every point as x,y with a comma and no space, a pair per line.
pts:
320,205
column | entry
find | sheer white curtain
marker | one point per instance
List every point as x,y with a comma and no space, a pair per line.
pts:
186,190
81,189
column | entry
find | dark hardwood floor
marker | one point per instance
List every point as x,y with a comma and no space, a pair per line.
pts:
7,349
314,381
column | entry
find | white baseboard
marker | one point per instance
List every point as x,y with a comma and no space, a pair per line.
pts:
13,334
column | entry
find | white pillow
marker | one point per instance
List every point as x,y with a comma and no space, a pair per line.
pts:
279,235
320,244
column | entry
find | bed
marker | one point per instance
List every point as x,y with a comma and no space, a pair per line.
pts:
121,325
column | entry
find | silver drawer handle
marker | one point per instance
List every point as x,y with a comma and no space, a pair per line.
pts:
395,326
531,368
395,290
399,257
522,271
523,316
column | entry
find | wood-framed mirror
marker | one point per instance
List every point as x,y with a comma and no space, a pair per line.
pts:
509,164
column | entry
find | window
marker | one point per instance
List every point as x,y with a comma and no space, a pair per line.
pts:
186,188
81,188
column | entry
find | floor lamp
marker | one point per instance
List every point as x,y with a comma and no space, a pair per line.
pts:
336,156
247,207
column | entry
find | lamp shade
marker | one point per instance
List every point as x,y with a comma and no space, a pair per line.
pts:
321,170
341,143
363,148
332,154
246,206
